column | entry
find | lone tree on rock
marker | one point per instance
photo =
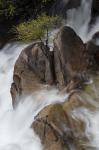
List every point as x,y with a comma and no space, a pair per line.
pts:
37,29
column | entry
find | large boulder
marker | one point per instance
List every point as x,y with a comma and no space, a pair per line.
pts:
38,66
58,127
31,71
65,125
70,56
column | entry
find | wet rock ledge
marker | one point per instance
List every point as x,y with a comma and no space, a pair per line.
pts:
68,67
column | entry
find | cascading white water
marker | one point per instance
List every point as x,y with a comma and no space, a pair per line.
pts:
15,131
79,20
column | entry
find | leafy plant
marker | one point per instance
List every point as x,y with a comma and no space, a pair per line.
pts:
35,29
7,8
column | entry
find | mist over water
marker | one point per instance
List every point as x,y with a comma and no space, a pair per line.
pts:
15,131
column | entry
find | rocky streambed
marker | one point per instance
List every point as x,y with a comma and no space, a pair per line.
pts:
73,69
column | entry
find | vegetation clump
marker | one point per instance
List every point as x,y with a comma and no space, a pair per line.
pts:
36,28
23,10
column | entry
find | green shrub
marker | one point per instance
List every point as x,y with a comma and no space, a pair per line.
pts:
35,29
7,8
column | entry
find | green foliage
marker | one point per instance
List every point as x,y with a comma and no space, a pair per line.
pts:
24,9
35,29
7,8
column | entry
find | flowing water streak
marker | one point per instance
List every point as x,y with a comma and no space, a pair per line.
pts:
15,131
79,20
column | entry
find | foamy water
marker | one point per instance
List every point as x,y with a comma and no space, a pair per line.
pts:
15,131
79,20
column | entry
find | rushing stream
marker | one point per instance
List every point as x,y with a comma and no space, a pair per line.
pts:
15,131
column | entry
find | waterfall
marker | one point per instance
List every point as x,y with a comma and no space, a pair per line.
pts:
79,19
15,131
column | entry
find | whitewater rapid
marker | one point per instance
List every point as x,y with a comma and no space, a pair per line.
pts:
79,19
15,131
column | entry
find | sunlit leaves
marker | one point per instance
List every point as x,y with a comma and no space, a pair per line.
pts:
35,29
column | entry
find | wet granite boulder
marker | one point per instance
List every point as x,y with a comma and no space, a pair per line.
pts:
38,66
58,127
63,126
70,56
31,71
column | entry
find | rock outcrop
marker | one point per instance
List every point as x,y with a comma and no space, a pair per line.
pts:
70,56
37,65
61,126
32,70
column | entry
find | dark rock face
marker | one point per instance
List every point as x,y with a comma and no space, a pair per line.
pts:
95,37
95,8
60,7
92,48
70,56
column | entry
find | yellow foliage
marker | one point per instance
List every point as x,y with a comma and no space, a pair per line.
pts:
35,29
